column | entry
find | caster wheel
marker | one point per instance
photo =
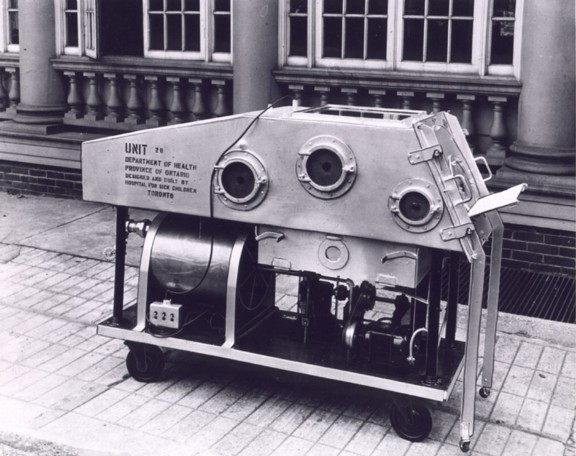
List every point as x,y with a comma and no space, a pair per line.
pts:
484,392
414,423
145,363
465,446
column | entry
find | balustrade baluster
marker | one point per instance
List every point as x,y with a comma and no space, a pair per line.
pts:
436,98
114,102
467,120
324,93
177,107
93,100
156,105
14,92
377,95
407,96
221,108
74,98
3,93
296,90
497,151
134,103
350,94
198,108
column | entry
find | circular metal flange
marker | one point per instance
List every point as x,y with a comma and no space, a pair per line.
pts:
240,180
333,254
416,204
326,167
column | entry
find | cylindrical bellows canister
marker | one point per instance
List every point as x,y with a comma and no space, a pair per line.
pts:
190,254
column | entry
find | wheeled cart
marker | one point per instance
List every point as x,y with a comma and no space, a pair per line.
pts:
359,208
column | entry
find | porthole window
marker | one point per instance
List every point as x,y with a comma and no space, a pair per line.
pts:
240,181
326,167
416,204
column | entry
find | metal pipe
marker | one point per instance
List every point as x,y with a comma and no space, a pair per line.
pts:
411,358
452,304
433,325
120,262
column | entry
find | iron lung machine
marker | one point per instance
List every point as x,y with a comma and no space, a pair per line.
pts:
357,208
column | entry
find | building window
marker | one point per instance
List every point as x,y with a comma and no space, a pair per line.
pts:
72,18
502,32
175,29
457,36
438,31
190,29
9,30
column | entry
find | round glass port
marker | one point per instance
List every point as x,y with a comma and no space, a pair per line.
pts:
414,206
238,180
324,167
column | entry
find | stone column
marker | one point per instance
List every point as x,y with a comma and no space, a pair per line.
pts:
544,152
255,54
43,95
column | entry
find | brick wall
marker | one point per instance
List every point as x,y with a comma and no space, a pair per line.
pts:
539,249
32,179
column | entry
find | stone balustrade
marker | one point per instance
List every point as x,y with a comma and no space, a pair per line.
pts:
9,88
117,96
487,108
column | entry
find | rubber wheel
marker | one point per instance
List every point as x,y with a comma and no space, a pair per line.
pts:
464,446
414,428
484,392
145,364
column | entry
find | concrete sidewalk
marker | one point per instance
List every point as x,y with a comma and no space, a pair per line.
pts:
64,390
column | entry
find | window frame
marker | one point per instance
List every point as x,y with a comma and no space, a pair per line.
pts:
61,31
207,37
481,43
5,44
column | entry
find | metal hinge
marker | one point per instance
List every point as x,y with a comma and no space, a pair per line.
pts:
426,154
457,232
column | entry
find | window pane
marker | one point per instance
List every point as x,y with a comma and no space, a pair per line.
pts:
414,7
333,6
504,8
13,4
502,42
119,38
298,36
70,4
354,38
437,41
174,29
192,35
222,33
463,8
192,5
72,29
377,38
298,6
461,41
156,5
355,6
377,6
173,5
438,7
413,39
14,37
222,5
156,32
332,37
